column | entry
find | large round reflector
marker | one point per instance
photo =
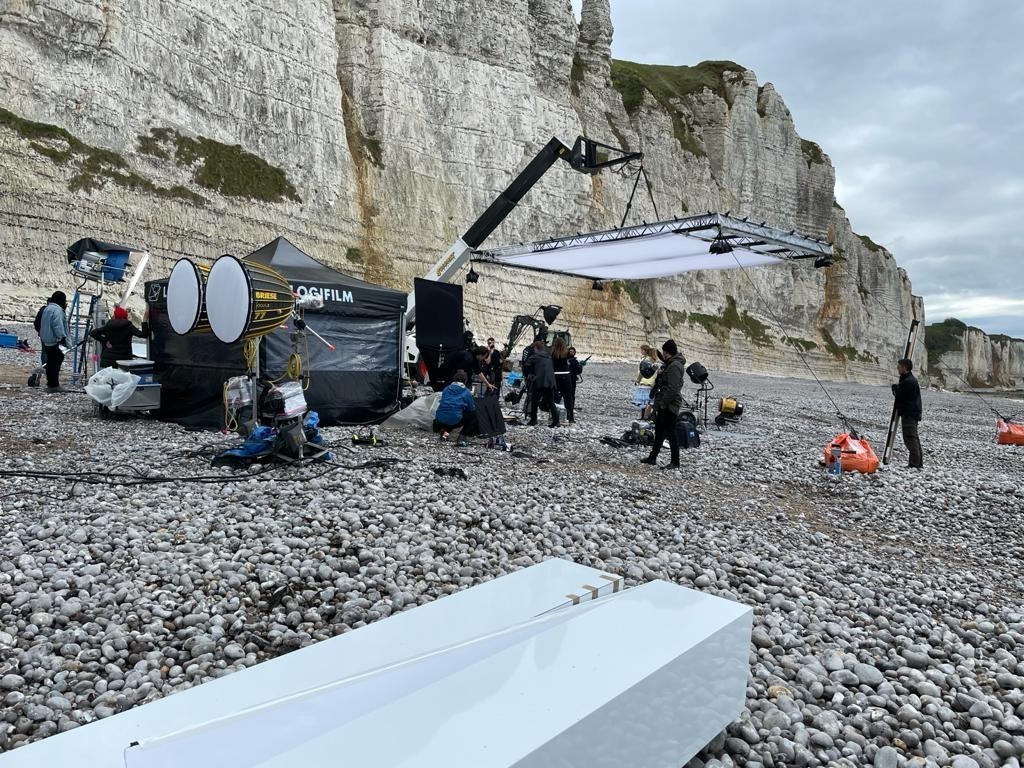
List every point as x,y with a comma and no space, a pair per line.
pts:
186,309
246,300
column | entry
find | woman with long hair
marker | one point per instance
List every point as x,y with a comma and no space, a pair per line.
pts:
563,376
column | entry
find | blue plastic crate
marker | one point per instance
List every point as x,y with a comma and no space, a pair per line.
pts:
115,266
8,340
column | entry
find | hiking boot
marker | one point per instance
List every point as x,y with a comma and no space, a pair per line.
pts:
463,443
532,423
672,465
650,460
444,437
56,390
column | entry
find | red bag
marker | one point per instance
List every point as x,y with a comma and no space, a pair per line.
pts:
1009,433
857,454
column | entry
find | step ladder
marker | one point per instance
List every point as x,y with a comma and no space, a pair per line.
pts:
83,316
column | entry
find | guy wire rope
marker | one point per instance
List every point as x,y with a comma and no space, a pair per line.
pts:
892,315
795,346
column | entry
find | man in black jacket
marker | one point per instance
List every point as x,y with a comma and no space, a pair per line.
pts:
908,406
541,373
667,403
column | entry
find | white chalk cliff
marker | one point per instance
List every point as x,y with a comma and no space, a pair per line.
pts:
373,132
962,356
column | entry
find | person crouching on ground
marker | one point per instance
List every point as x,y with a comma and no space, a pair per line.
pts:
543,388
563,376
908,406
667,403
456,409
116,337
54,332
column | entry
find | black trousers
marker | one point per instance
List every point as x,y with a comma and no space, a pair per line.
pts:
564,384
665,426
470,425
543,398
913,443
54,360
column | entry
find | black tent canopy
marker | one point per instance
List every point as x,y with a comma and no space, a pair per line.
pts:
358,382
86,244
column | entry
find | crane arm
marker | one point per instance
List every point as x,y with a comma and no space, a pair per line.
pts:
582,157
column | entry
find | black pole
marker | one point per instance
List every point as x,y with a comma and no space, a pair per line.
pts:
629,203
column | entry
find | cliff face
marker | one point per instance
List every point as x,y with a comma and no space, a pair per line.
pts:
373,132
960,355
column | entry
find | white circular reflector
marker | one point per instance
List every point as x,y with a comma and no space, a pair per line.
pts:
228,299
184,296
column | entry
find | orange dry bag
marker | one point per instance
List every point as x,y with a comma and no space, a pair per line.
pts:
857,454
1009,433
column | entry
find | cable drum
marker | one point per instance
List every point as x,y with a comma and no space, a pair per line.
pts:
186,304
245,301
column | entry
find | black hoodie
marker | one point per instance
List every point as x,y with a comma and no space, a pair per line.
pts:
118,334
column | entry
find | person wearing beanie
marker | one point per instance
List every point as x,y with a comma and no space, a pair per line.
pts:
54,332
908,406
668,400
116,337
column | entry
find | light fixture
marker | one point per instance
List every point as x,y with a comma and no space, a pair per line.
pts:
472,276
597,285
698,373
720,245
551,312
823,261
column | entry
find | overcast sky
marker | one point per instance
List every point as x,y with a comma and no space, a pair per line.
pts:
920,105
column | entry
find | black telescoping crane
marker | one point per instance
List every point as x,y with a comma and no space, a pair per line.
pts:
584,157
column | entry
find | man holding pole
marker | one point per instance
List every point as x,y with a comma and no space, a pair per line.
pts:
908,405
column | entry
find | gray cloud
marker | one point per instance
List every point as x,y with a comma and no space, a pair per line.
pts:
919,104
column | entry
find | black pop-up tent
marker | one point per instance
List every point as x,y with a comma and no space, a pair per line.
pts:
359,382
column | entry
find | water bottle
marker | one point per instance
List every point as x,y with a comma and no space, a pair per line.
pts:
836,465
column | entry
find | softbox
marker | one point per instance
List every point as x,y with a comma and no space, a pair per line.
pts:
439,322
438,315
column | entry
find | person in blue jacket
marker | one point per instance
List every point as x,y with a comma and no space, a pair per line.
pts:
456,409
54,332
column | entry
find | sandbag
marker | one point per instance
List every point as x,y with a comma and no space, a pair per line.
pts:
1009,433
857,454
111,386
419,414
686,430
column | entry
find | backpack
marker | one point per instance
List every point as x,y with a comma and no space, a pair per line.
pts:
38,322
686,430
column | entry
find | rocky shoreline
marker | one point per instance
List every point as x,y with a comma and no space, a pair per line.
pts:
889,627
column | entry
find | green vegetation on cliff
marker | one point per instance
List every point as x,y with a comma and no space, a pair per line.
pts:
668,85
847,352
940,338
224,168
93,166
803,344
675,318
812,153
730,319
870,244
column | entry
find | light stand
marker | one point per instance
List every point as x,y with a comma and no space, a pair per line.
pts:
703,395
699,375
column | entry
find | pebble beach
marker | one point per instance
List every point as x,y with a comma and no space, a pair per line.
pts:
888,608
